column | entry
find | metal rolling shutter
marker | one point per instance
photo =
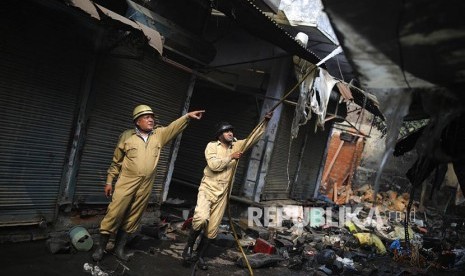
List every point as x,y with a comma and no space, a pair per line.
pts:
312,160
239,110
120,85
40,75
276,182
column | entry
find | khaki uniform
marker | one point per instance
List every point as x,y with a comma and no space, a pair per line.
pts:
135,164
213,190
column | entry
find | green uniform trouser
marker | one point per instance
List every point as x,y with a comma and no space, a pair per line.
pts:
129,201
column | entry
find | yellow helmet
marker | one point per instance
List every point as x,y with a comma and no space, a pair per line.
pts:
141,110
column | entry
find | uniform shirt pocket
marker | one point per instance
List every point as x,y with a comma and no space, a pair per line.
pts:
131,150
156,150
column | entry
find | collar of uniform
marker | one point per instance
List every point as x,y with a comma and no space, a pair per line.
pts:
218,142
137,131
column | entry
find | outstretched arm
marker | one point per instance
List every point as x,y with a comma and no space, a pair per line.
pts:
177,126
196,114
257,134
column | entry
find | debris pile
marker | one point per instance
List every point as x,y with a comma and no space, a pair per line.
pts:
362,238
320,237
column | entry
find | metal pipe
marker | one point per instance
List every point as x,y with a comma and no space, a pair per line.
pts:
41,223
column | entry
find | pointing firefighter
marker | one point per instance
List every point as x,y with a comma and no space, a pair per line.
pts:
134,166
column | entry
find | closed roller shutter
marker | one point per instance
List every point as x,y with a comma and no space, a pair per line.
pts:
302,164
283,165
312,161
121,84
40,74
242,111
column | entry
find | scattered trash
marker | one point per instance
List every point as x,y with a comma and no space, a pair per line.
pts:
345,261
351,226
326,257
247,241
371,239
80,238
94,270
151,231
260,260
362,245
262,246
59,245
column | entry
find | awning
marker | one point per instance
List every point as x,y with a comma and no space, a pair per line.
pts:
247,15
155,40
187,45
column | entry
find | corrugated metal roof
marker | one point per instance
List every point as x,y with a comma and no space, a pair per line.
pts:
249,16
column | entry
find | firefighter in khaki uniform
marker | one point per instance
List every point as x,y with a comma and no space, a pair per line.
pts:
135,167
221,156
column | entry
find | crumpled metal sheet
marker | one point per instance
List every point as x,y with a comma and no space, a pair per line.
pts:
155,39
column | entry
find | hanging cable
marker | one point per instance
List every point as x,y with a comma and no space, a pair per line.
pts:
338,66
288,162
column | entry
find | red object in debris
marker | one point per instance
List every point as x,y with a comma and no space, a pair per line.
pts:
262,246
187,224
423,230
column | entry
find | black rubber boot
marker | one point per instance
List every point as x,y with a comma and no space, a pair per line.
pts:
188,253
98,253
202,249
121,240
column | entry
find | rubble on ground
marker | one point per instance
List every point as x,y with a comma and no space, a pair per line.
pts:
363,237
371,241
